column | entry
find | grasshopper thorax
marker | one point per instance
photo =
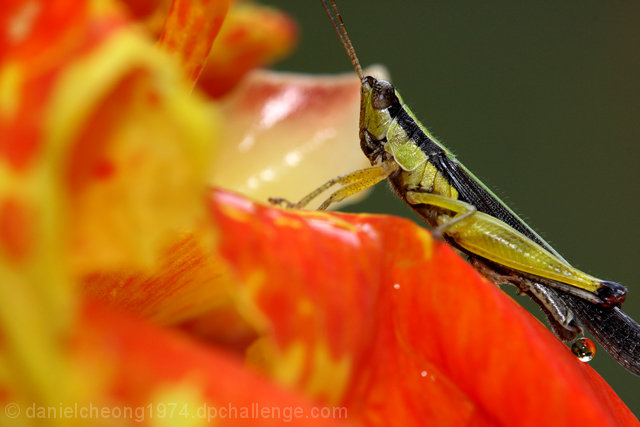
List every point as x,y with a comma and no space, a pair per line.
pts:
377,99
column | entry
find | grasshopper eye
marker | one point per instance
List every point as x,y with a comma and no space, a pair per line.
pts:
383,95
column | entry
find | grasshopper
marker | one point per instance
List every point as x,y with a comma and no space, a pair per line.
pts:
461,210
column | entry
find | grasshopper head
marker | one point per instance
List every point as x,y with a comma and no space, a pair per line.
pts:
377,97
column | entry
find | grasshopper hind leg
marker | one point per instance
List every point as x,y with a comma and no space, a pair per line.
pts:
568,314
560,317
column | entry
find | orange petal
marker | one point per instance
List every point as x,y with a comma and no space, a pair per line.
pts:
186,283
269,136
103,164
190,29
144,9
252,36
16,234
39,38
137,147
151,14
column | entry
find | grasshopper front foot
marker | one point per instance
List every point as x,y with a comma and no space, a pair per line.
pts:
352,183
437,234
282,202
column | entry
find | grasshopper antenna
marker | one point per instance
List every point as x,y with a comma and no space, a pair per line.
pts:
341,30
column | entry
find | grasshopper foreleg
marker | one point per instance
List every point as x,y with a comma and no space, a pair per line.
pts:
560,317
352,183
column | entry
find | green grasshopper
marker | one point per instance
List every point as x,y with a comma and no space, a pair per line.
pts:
462,211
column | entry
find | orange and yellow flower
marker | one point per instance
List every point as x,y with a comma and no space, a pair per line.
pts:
128,281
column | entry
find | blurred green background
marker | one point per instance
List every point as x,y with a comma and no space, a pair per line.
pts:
539,99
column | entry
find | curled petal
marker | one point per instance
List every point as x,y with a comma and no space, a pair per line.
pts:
281,127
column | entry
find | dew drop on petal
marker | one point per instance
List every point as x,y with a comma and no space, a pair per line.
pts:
584,349
423,374
396,286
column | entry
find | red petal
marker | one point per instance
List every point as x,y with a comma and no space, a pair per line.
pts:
149,366
252,36
190,29
16,234
367,311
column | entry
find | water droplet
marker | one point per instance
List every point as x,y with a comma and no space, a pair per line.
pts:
423,373
584,349
396,286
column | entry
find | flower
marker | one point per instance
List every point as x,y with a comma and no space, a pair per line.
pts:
132,291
